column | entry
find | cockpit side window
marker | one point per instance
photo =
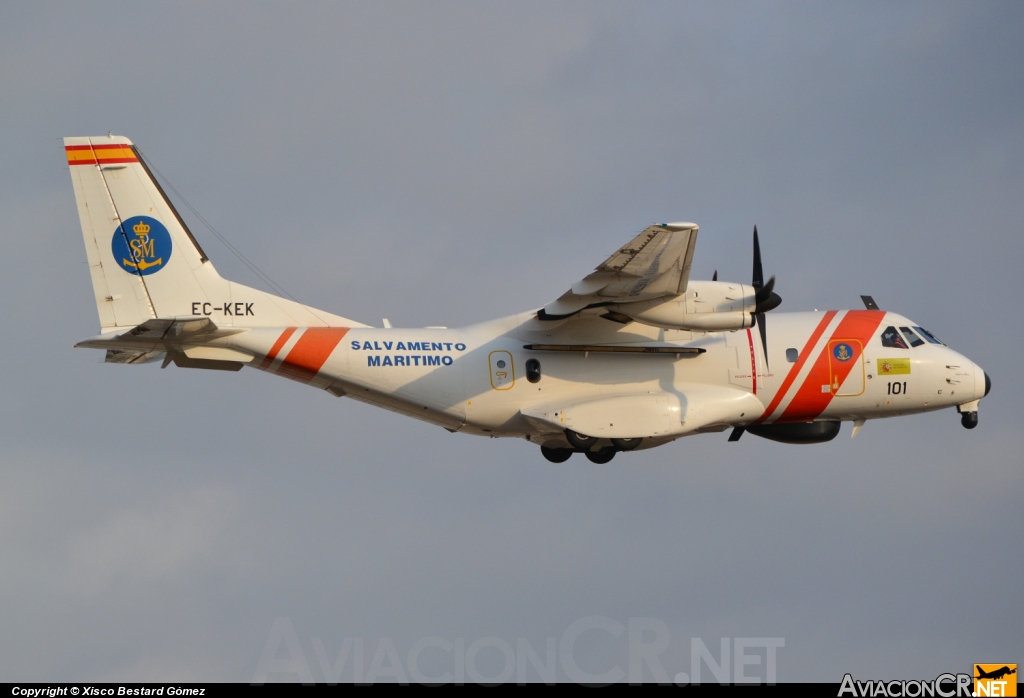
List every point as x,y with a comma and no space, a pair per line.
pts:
927,335
892,338
915,341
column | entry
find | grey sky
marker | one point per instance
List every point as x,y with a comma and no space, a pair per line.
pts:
444,163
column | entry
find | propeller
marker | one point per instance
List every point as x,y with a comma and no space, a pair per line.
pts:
765,298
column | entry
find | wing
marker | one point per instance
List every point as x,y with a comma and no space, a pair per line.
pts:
654,264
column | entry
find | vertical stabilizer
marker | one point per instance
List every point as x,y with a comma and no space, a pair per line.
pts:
143,259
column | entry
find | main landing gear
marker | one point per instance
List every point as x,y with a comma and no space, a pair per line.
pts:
600,457
585,445
556,455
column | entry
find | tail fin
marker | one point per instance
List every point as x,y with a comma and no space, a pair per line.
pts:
143,259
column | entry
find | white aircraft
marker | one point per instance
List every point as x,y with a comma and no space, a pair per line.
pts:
632,356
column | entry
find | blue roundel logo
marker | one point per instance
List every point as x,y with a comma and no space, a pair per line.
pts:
141,245
842,352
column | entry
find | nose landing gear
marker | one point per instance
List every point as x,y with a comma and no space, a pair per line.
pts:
968,414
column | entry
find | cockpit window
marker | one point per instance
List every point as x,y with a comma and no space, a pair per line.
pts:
927,335
892,338
915,341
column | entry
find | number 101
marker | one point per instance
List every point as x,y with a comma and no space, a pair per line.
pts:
897,388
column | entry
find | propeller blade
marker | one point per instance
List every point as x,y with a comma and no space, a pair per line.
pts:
764,297
762,327
758,275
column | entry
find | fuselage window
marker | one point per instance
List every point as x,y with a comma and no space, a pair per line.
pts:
915,341
792,355
892,338
927,335
533,370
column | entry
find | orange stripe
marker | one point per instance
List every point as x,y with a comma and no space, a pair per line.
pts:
801,360
281,341
810,401
99,154
311,352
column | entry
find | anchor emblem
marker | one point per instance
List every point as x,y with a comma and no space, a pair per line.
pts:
145,252
843,352
143,246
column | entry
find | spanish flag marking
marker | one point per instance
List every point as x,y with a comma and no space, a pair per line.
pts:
99,154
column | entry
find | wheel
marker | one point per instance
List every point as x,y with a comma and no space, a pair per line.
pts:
601,457
556,455
583,443
626,444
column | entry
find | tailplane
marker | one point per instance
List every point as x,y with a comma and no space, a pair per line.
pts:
144,261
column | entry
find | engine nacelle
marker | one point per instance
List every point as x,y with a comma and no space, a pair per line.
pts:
708,306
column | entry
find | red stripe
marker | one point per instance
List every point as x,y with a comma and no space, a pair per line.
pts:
281,341
801,360
101,154
310,353
753,362
810,401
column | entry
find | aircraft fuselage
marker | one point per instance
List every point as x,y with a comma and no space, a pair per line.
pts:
822,366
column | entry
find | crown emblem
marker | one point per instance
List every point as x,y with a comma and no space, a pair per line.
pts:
141,228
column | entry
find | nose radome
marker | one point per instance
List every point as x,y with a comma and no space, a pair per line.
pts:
988,384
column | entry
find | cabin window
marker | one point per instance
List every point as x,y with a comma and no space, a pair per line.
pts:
792,355
914,340
533,370
927,335
892,338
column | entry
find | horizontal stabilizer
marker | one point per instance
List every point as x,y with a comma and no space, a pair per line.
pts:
118,356
185,340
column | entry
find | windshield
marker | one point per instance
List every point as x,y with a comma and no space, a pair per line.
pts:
892,338
915,341
927,335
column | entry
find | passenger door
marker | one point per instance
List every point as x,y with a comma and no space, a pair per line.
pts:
846,367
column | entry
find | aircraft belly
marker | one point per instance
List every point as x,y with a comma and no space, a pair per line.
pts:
648,414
